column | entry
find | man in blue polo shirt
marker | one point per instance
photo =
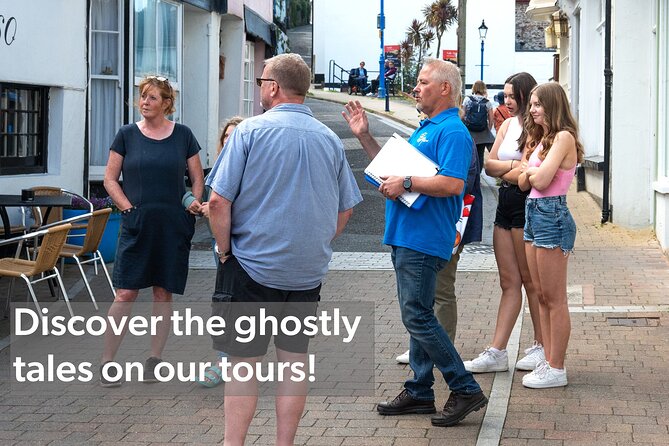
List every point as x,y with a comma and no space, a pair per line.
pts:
422,240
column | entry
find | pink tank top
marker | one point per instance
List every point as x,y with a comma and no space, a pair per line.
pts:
561,181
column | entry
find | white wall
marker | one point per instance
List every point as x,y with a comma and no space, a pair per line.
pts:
232,47
50,50
633,147
195,79
591,82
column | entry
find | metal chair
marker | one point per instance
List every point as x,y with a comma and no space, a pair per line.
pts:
45,262
56,214
90,248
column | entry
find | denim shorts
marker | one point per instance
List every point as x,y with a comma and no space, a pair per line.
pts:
549,224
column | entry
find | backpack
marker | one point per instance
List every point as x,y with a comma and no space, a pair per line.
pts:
476,114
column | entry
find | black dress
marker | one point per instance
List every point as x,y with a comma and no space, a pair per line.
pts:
155,238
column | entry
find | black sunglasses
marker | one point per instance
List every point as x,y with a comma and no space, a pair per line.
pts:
259,81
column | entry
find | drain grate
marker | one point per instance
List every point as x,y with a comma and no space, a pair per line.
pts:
634,321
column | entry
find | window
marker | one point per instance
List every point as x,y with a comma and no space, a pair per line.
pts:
23,128
249,81
105,81
157,43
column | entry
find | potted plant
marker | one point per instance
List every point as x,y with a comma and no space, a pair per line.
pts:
110,237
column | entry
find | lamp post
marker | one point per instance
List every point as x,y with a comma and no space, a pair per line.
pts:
382,82
483,30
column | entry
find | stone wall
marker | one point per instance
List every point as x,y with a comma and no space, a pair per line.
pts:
529,33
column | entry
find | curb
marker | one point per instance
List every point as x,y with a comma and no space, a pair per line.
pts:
388,115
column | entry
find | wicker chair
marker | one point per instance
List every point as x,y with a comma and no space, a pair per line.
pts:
56,214
90,248
45,262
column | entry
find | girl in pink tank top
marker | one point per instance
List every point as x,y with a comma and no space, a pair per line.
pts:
553,150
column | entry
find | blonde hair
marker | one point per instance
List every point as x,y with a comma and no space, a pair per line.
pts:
446,72
479,88
164,89
557,117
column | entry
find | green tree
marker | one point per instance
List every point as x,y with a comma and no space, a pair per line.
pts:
420,37
299,12
440,15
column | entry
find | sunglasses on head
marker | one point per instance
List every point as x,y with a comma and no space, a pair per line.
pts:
158,78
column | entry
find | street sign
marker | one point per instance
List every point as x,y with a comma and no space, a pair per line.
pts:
450,55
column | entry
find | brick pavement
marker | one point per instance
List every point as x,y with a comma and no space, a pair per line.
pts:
618,362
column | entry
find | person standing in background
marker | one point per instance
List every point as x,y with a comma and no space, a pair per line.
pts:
501,112
478,118
156,231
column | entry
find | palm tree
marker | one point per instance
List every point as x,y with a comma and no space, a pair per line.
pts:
421,38
440,15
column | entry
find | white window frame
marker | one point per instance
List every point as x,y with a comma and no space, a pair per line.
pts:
175,83
248,85
96,172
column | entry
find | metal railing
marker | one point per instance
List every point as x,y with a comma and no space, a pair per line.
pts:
336,74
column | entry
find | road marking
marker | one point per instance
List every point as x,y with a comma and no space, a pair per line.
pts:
500,393
396,125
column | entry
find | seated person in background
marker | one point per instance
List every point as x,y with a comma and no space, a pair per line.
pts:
501,112
357,79
389,74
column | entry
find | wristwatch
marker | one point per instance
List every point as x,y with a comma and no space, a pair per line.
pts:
220,254
407,184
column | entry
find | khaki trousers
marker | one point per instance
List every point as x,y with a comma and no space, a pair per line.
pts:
445,302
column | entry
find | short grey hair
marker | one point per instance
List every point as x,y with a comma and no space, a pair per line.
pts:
290,72
446,72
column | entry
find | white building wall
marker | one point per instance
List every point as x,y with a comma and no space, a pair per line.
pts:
632,132
661,185
232,48
50,50
196,74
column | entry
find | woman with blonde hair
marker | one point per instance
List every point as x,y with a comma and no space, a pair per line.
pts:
156,231
482,136
504,163
553,151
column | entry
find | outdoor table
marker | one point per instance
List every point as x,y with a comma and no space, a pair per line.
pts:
47,201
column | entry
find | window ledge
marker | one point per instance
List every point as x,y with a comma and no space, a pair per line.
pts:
594,163
662,186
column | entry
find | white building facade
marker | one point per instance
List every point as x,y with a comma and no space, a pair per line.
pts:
638,146
76,65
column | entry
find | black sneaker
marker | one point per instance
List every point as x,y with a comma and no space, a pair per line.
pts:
458,407
150,370
104,382
404,404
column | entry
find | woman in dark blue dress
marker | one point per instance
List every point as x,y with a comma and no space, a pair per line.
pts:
156,230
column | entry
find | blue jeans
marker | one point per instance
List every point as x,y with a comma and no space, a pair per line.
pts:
429,344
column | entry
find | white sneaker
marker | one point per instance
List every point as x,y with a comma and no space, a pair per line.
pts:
545,376
403,358
533,356
488,361
369,94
